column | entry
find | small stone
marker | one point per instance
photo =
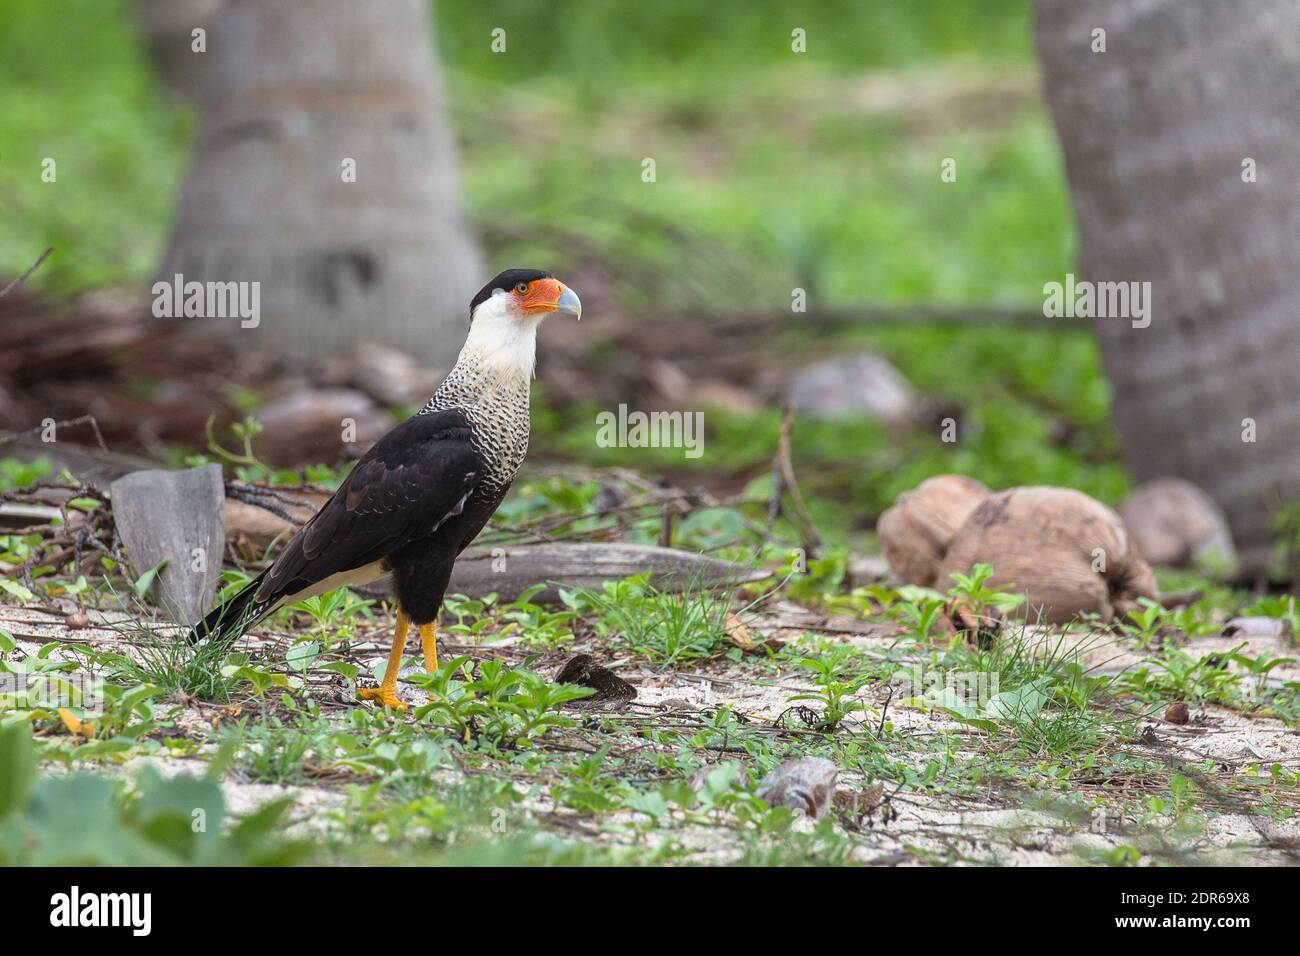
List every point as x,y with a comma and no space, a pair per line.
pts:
1249,627
855,385
77,620
806,785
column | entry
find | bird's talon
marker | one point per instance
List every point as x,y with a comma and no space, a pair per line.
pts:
382,695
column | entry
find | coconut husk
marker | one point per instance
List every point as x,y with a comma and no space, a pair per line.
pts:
915,533
1068,553
1176,524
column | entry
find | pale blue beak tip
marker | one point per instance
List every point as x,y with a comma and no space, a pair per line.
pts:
569,302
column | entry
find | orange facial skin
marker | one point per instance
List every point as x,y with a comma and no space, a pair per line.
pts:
540,296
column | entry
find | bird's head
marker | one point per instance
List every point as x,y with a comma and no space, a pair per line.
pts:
524,295
504,316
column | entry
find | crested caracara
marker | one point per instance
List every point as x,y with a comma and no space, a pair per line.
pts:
424,491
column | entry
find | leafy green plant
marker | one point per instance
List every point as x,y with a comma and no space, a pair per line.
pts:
499,706
973,588
836,686
335,612
81,819
921,609
539,626
1028,683
1177,675
823,578
474,616
248,467
668,628
240,667
1144,624
15,473
534,624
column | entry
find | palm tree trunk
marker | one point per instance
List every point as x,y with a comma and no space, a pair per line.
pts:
1157,132
168,28
292,92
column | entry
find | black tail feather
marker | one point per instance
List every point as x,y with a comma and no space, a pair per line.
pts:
229,620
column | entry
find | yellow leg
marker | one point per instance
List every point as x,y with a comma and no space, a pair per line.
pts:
386,692
429,643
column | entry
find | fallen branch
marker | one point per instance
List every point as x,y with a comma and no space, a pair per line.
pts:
509,571
919,314
79,420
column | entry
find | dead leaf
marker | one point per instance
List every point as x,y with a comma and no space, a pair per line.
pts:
740,635
76,727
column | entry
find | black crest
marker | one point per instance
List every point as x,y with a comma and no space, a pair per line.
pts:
506,281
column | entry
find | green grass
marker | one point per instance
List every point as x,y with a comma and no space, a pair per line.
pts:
669,628
461,778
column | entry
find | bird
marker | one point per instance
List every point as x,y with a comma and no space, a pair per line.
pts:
424,491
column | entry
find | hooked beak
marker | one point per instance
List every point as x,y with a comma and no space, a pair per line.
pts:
569,302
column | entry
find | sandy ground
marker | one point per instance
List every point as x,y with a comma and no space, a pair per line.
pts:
1226,749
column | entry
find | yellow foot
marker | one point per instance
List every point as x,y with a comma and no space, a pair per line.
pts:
382,695
386,692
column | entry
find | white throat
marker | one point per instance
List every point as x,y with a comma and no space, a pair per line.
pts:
501,341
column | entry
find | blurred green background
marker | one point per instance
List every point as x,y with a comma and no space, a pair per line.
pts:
819,170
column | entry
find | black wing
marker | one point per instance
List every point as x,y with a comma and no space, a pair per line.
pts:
412,480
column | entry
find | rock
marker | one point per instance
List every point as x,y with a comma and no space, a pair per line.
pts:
866,569
1249,627
862,384
387,375
1067,552
725,397
806,785
1176,524
313,425
915,533
177,517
